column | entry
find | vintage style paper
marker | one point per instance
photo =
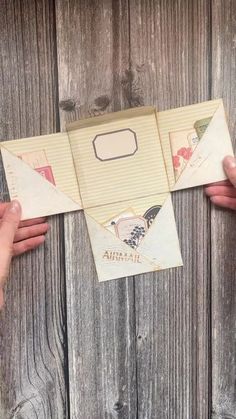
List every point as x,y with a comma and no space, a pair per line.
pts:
118,158
120,168
125,192
202,160
159,249
40,174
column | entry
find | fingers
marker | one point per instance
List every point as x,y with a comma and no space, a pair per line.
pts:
9,225
220,190
224,201
17,237
28,244
3,207
35,221
224,196
30,233
224,193
229,165
25,233
221,183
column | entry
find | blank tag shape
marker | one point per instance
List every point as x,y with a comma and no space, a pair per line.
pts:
115,145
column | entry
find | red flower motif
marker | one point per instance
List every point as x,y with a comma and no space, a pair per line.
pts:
176,162
186,153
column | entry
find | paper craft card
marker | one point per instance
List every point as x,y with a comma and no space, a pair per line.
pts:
195,139
40,174
141,238
120,168
118,157
125,193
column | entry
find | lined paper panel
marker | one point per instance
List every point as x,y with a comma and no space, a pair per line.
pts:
119,160
54,150
181,119
139,207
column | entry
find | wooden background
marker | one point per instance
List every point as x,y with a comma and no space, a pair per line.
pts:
160,345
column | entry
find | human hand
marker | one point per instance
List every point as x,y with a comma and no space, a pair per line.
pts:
16,237
224,193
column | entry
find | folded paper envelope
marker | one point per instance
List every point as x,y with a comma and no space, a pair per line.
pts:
120,168
118,157
125,193
195,139
159,249
40,174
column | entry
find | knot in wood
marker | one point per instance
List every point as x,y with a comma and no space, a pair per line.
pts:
67,105
102,102
118,406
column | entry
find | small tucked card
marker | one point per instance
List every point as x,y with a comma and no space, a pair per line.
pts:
182,144
195,139
38,161
40,174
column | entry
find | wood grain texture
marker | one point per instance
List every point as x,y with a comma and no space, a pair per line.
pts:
170,67
138,348
32,326
224,225
93,58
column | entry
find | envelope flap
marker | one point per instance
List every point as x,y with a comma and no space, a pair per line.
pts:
37,196
161,243
205,165
50,155
114,258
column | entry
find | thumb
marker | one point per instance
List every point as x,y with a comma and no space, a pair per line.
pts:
9,224
229,165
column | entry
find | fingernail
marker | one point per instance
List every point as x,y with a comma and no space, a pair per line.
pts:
230,162
14,207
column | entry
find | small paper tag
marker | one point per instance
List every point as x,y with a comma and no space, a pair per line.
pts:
38,161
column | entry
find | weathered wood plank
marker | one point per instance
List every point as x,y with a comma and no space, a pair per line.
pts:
170,67
32,327
224,225
93,56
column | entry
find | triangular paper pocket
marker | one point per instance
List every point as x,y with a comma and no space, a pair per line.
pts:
113,258
205,165
37,196
158,250
161,243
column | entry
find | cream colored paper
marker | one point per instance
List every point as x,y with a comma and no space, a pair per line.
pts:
205,165
184,118
161,243
119,168
37,196
114,259
115,145
56,147
140,174
138,206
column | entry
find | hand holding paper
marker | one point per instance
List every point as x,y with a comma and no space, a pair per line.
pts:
224,193
16,237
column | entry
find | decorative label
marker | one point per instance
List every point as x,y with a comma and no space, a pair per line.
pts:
115,145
